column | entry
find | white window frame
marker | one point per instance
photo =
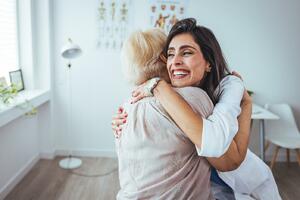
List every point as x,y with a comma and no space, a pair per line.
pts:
17,50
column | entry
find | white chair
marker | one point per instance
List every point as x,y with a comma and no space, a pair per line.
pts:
283,133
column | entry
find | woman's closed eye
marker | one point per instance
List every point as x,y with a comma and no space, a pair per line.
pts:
169,55
187,53
184,53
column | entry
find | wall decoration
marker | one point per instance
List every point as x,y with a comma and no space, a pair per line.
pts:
113,20
165,13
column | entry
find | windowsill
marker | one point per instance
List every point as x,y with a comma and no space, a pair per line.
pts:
35,98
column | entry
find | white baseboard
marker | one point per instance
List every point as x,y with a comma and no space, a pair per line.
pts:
47,155
18,177
87,153
112,154
80,152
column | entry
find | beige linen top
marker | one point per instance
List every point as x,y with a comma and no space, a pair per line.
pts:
156,159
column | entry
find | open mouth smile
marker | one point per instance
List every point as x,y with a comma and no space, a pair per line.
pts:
179,73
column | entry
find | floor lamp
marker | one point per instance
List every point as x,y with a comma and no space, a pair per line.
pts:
70,51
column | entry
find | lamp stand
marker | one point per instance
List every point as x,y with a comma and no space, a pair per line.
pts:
69,162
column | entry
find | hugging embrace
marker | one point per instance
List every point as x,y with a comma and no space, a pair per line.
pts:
184,133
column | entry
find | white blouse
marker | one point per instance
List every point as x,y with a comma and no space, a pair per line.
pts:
218,132
222,125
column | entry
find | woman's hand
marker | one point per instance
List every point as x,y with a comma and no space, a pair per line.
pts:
144,90
139,93
117,121
237,74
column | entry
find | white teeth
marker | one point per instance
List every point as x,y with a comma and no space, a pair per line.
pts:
179,73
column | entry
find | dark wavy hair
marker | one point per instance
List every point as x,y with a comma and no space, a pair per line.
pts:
211,51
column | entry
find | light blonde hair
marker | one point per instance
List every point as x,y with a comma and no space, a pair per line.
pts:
140,56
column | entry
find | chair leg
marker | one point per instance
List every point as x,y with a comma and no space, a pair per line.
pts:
267,145
298,156
288,156
274,157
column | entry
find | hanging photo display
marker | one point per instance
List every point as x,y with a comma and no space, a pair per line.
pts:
165,13
113,20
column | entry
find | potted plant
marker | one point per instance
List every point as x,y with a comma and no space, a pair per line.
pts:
7,95
250,92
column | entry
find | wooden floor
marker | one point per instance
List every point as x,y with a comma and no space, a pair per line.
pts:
288,180
46,181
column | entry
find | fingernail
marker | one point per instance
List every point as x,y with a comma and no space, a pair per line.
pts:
124,120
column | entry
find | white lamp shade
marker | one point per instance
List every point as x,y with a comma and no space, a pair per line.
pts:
70,50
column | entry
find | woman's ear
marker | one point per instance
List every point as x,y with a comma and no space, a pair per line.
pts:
208,68
165,75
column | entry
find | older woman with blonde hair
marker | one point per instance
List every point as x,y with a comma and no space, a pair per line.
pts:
156,159
141,56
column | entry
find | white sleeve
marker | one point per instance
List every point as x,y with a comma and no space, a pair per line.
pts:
220,127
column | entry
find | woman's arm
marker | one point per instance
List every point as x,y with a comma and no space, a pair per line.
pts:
222,125
211,136
192,125
238,147
180,111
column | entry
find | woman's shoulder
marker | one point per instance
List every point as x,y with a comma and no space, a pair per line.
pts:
141,103
230,83
198,99
189,92
231,80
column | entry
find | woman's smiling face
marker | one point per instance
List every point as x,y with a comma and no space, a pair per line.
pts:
185,62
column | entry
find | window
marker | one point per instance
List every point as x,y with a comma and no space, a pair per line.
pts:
8,38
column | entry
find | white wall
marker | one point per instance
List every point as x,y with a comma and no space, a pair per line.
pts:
96,80
43,70
259,39
23,140
20,147
98,87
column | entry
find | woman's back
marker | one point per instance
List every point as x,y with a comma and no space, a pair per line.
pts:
156,159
